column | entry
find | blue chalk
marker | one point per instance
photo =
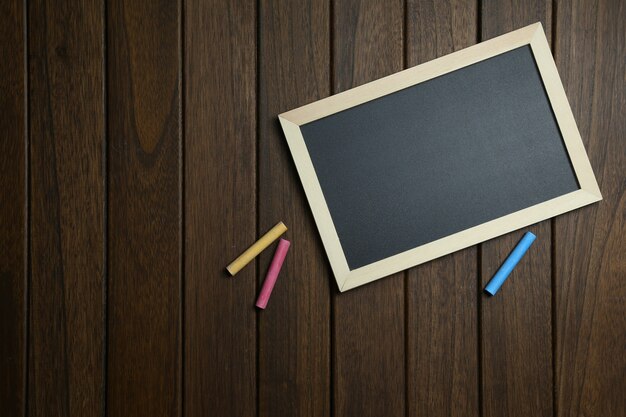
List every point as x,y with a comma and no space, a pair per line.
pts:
503,273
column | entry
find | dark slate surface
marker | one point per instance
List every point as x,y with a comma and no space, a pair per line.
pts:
439,157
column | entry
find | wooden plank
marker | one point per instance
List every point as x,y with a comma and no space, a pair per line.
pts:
590,320
516,330
294,330
67,133
499,17
442,345
220,207
13,209
442,356
145,225
369,376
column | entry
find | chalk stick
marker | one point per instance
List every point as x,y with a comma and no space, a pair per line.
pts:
256,248
272,273
502,274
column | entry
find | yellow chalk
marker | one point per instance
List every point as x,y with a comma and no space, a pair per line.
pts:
256,248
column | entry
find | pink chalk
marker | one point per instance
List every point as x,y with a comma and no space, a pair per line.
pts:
272,273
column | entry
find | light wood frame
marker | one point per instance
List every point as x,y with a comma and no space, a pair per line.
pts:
532,35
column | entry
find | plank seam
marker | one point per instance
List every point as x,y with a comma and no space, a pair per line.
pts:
181,206
105,215
257,217
479,327
479,21
27,243
553,313
553,251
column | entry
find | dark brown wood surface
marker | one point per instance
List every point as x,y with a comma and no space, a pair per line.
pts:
144,256
294,351
67,195
590,246
141,153
220,190
13,207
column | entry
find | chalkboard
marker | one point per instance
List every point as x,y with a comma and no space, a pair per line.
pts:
433,160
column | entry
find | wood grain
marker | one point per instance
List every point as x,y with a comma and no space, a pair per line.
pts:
91,114
516,325
220,207
516,330
369,337
441,296
294,330
144,212
590,293
66,346
13,209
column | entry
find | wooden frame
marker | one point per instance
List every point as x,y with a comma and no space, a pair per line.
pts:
532,35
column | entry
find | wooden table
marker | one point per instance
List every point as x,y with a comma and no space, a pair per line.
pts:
141,153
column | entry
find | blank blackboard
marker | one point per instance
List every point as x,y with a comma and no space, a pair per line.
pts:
428,161
439,157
